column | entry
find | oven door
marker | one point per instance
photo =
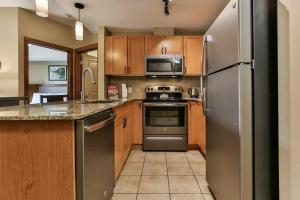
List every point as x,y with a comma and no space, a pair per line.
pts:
164,66
165,118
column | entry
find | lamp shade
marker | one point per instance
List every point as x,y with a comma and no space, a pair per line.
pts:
79,30
41,8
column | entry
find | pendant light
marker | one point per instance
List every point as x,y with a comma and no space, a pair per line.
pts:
41,8
78,23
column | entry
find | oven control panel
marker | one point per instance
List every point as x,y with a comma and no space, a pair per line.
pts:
163,89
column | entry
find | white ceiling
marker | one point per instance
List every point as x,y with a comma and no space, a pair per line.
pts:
37,53
140,15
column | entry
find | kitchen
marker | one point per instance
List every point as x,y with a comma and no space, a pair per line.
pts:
164,120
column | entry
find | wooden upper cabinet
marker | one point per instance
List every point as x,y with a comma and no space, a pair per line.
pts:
164,45
136,52
173,44
192,54
120,54
115,55
154,45
124,55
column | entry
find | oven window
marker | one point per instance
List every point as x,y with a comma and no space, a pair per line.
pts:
159,65
165,116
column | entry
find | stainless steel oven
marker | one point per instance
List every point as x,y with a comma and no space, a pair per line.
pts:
165,126
164,65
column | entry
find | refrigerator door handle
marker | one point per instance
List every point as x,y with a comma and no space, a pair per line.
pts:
203,76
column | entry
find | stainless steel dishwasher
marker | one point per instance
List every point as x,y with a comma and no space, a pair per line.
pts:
95,178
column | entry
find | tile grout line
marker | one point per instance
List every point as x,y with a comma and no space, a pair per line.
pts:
194,176
168,175
141,176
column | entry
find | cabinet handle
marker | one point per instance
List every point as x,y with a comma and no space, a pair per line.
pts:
123,122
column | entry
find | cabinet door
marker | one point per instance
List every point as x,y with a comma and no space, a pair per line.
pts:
202,132
173,44
108,53
192,123
192,54
196,125
137,122
127,134
119,54
118,145
154,45
136,51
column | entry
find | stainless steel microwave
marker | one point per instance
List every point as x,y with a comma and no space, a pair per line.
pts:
164,65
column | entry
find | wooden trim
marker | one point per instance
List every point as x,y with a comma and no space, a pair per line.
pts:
51,46
47,44
78,66
87,48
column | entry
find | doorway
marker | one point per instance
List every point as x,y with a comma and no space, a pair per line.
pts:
48,71
86,56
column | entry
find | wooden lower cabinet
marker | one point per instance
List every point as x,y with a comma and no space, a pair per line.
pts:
123,135
196,125
37,160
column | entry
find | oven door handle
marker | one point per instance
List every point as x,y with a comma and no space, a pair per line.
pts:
165,104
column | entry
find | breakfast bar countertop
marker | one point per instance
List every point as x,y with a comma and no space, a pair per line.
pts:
71,110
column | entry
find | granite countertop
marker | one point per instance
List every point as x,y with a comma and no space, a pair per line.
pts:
71,110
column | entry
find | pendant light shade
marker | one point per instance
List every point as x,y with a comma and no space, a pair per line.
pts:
79,30
41,8
78,23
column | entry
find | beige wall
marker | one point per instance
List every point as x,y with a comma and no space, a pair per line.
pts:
290,132
9,52
46,30
38,72
102,82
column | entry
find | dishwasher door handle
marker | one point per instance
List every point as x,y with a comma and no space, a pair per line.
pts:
91,128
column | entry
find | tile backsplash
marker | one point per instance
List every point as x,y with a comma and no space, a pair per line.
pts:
138,84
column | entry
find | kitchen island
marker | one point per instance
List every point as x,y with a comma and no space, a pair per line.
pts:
37,149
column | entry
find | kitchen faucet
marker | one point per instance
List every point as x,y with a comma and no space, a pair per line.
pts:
83,81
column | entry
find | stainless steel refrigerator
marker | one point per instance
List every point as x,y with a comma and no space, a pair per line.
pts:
230,99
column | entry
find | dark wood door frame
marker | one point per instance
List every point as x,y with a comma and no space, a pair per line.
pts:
69,51
78,66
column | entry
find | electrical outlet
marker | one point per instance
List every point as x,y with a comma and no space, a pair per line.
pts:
129,90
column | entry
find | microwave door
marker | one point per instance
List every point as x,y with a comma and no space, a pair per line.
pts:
156,66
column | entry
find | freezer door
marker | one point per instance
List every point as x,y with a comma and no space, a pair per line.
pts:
229,133
229,37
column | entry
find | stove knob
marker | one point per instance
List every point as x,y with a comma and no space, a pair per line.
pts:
151,89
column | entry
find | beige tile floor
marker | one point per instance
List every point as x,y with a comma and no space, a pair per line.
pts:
163,176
